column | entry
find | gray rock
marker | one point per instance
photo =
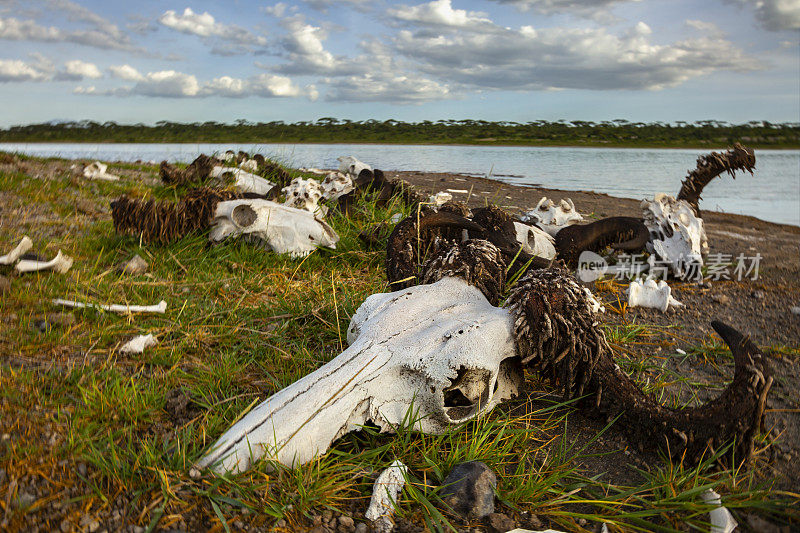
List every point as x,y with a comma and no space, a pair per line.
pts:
25,500
499,523
758,295
135,265
5,285
468,490
721,299
362,528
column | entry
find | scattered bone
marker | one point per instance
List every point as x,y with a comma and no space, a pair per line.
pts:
336,184
251,165
796,310
139,344
352,166
161,307
24,245
535,241
551,218
229,156
97,171
596,305
657,295
721,519
283,229
677,236
61,263
305,194
439,199
312,170
244,181
384,496
458,191
135,265
442,346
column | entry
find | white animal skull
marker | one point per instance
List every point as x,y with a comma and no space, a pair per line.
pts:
677,236
535,241
244,181
657,295
283,229
439,199
97,171
336,184
551,218
350,165
305,194
441,348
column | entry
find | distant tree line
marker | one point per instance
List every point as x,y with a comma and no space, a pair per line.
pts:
331,130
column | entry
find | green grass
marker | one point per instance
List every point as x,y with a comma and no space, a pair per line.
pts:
241,324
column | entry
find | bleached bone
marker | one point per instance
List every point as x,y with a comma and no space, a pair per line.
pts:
551,218
305,194
384,496
313,170
677,235
250,165
139,344
229,156
439,199
657,295
336,184
24,245
594,303
535,241
244,181
61,263
97,171
350,165
721,519
442,349
161,307
283,229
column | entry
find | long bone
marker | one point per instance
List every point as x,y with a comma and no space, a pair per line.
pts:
61,263
160,307
24,245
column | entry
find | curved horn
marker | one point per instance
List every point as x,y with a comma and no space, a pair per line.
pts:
621,233
709,166
557,336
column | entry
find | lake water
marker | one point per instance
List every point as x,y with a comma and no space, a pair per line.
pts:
773,193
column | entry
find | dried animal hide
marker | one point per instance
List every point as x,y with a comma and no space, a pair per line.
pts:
164,221
558,337
197,173
710,166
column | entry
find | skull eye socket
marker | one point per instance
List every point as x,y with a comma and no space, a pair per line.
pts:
468,393
243,215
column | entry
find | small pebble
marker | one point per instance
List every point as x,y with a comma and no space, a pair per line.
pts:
346,521
758,295
362,528
135,265
469,489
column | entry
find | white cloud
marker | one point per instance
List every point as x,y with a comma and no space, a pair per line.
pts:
306,53
439,12
581,8
233,39
386,88
324,5
276,10
17,70
774,15
125,72
78,70
167,83
567,58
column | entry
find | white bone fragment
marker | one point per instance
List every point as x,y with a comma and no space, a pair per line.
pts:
61,263
721,519
305,194
250,165
336,184
597,305
384,496
442,348
350,165
283,229
160,307
397,217
535,241
458,191
439,199
796,310
139,344
97,171
313,170
24,245
551,218
677,235
657,295
244,181
229,156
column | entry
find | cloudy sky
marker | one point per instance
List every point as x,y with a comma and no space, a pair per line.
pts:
517,60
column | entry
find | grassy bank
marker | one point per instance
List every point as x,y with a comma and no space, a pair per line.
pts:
90,432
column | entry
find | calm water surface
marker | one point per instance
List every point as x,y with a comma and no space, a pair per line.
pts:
773,193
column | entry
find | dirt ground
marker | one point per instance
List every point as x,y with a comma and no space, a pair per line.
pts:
758,307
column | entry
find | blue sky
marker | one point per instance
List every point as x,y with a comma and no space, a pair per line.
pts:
516,60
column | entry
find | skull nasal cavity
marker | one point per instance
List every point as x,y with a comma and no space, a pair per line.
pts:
468,393
243,215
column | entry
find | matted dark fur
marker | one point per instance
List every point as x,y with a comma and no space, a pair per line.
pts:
165,221
197,173
476,261
557,336
709,166
621,233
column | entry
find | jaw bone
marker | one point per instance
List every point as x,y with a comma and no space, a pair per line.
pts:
677,236
60,263
441,348
283,229
24,245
